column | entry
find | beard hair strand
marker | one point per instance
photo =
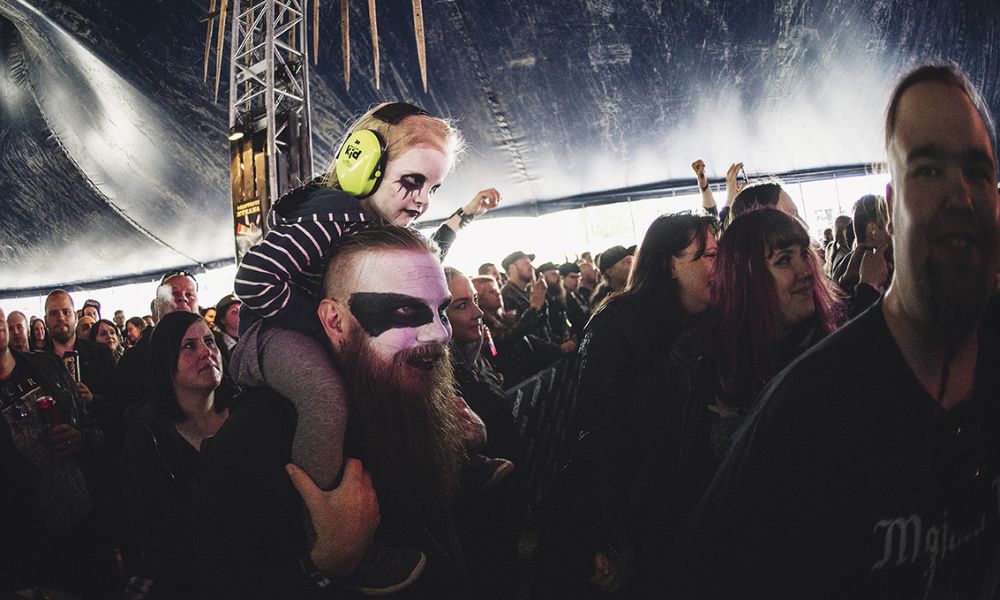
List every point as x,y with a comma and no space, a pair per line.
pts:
408,436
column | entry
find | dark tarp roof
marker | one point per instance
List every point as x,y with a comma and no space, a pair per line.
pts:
115,158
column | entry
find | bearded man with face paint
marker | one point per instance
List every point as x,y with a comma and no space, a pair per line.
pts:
880,478
383,316
280,336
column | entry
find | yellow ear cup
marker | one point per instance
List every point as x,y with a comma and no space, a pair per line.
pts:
360,163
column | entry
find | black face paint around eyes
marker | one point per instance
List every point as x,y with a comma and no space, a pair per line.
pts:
380,312
410,185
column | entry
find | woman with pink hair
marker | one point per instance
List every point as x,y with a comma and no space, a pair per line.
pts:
770,302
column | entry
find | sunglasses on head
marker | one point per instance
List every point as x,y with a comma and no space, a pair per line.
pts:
179,272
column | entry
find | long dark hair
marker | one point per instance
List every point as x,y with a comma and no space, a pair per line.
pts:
31,334
164,351
745,305
651,287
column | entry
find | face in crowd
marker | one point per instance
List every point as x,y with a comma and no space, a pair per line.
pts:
389,331
791,270
411,180
464,313
60,317
199,363
571,282
83,326
133,331
490,298
183,292
38,332
399,309
521,270
230,322
107,336
17,326
943,208
4,335
618,272
694,274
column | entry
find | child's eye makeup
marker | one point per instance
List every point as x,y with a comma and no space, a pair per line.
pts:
411,184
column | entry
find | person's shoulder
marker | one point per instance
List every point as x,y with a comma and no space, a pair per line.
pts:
614,312
258,415
142,411
85,346
39,360
315,199
848,366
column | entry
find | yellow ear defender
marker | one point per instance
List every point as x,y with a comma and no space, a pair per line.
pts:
361,161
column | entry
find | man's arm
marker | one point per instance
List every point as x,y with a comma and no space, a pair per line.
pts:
258,548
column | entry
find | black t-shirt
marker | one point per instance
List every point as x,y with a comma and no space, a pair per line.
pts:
19,394
20,386
849,481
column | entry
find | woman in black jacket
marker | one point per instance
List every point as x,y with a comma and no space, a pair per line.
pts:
162,450
588,544
770,303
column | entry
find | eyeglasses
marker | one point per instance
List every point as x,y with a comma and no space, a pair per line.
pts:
181,273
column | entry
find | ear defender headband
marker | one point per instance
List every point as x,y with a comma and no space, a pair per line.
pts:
361,160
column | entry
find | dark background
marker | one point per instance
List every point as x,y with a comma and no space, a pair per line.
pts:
114,158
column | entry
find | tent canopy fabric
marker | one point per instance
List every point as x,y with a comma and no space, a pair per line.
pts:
115,156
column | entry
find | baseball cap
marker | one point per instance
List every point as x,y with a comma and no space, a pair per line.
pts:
567,268
224,303
612,255
514,257
549,266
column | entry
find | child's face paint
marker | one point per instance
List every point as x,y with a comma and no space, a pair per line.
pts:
410,182
400,301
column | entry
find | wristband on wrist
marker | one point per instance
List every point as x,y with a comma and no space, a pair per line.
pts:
315,575
703,188
464,218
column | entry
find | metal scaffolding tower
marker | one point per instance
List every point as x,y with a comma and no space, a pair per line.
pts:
269,123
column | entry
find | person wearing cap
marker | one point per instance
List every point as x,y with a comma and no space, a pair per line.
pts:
555,299
518,293
577,307
589,277
92,309
227,321
615,264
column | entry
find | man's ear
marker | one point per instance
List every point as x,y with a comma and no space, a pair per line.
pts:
332,315
888,206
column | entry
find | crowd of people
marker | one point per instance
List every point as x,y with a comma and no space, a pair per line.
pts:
757,414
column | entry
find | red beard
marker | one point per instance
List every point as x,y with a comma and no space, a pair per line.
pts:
403,425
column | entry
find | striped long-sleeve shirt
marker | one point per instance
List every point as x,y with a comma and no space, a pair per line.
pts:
278,278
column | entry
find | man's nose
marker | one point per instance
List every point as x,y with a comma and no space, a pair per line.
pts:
961,193
438,331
